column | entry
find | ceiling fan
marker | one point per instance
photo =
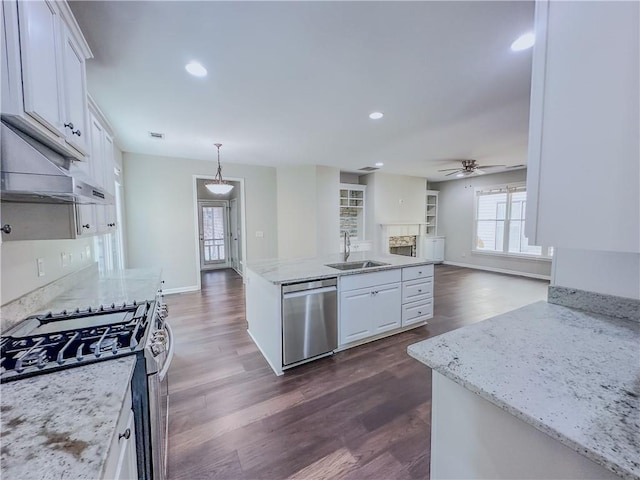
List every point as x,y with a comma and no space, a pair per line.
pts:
471,167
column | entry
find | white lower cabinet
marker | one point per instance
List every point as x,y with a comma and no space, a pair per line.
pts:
122,460
369,305
369,311
417,294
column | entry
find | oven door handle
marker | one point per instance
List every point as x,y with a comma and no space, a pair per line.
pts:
169,357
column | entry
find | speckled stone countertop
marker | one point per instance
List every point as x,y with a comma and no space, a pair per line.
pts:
279,271
118,286
90,289
60,425
571,374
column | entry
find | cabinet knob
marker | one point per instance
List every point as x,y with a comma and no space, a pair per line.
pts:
419,291
6,228
419,273
86,226
69,125
126,434
419,312
76,132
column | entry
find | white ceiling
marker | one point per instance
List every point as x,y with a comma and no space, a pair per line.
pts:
294,82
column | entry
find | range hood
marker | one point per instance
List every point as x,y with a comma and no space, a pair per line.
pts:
32,172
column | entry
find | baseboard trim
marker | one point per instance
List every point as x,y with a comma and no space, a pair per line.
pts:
498,270
171,291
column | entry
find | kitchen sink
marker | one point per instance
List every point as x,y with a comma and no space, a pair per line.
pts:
356,265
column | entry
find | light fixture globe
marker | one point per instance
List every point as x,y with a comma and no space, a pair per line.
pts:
217,186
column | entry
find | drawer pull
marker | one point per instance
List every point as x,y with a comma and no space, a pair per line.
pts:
419,291
126,434
419,312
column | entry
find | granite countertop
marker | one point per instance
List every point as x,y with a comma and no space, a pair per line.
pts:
86,288
571,374
280,271
60,425
117,286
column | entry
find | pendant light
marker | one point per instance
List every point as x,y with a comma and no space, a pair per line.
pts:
217,185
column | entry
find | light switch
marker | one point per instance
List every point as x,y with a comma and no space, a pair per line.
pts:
259,234
64,259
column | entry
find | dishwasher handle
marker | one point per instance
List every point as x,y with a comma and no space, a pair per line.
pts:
314,291
305,286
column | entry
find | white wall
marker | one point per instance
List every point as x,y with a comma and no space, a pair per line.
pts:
612,273
160,214
455,221
328,210
392,199
296,211
308,211
19,268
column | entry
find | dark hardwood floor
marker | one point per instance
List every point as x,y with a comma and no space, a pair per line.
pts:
361,414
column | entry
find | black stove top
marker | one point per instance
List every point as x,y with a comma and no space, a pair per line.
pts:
44,343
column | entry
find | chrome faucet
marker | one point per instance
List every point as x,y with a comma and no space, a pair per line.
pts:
347,246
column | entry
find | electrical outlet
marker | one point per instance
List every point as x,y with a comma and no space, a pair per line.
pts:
64,259
87,252
70,257
464,255
40,263
81,255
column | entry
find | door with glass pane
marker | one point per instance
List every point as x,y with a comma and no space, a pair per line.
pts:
213,234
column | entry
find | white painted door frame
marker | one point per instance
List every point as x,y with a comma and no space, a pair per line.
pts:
215,264
196,232
234,235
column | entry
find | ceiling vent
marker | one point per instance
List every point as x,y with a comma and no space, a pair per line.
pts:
368,169
157,135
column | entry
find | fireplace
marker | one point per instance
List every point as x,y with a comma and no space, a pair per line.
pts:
403,245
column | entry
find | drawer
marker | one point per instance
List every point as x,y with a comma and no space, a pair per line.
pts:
413,273
421,289
415,312
365,280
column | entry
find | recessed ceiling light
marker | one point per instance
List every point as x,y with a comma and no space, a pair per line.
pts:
196,69
376,115
379,164
523,42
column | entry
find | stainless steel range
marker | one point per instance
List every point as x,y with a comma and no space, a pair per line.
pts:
44,343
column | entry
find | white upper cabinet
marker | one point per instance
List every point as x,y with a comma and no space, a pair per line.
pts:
75,93
43,74
584,130
39,22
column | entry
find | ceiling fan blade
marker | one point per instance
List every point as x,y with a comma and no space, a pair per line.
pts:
517,166
453,173
477,171
489,166
449,169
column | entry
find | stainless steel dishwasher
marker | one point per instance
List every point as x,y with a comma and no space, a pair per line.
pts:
309,320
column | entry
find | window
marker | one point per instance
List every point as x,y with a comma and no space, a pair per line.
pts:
499,222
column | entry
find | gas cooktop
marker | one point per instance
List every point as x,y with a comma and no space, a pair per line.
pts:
48,342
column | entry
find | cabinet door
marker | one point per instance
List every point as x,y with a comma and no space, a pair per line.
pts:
75,93
97,150
109,164
355,315
86,220
582,168
39,24
387,301
127,468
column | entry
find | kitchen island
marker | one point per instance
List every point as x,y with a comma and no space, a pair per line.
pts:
372,302
544,391
68,423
